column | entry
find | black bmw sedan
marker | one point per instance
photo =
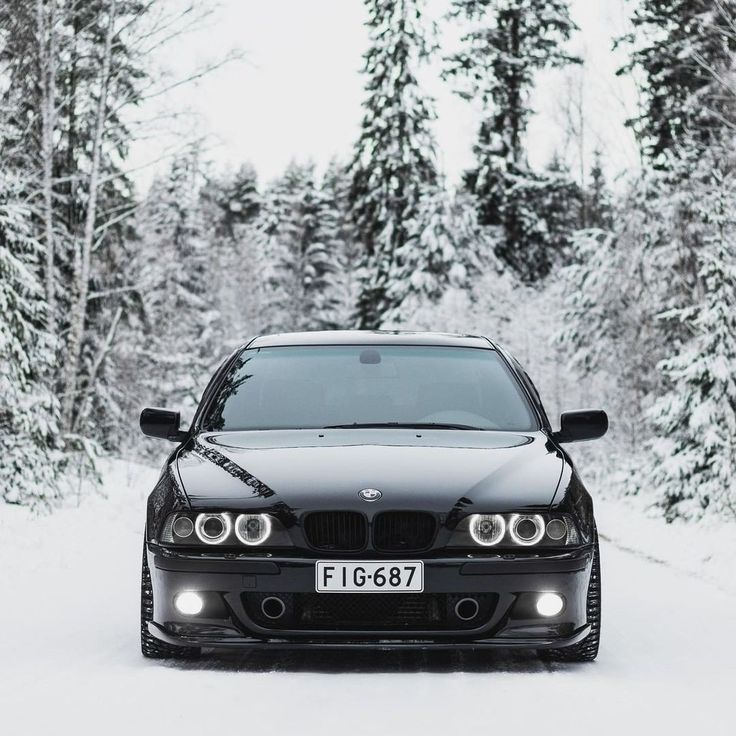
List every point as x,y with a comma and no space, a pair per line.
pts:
371,489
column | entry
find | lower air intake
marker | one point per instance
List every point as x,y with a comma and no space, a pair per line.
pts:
336,612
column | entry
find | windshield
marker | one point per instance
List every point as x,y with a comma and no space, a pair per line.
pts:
357,386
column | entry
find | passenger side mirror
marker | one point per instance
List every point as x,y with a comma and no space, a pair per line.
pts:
162,423
585,424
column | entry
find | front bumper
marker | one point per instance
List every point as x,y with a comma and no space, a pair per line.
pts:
227,582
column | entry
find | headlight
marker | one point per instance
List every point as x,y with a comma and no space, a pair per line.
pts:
556,529
487,529
213,528
182,527
515,530
224,529
253,529
526,530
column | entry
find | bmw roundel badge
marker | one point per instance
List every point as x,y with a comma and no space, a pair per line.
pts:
370,494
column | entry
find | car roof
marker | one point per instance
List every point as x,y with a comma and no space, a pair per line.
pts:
369,337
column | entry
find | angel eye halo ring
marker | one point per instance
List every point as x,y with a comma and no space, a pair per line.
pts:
213,528
487,529
526,529
253,529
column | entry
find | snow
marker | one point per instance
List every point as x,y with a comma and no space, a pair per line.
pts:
706,550
70,662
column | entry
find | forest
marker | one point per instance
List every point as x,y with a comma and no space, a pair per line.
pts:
620,297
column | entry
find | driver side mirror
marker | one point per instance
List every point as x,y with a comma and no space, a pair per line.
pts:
585,424
162,423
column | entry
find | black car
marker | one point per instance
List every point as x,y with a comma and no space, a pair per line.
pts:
371,489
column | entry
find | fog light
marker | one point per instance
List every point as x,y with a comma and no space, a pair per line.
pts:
550,604
189,603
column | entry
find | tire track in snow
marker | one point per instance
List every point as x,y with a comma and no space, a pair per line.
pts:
645,556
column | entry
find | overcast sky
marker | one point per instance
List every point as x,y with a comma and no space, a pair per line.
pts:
297,94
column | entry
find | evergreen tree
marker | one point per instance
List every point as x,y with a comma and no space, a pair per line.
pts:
230,204
545,214
598,199
300,287
694,462
612,290
99,77
29,414
443,249
395,154
179,286
508,41
682,52
236,199
338,233
75,69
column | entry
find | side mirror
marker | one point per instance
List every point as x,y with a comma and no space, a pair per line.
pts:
162,423
585,424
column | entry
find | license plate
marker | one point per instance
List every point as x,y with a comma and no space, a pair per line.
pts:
369,577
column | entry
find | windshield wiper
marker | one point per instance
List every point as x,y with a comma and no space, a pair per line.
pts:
401,425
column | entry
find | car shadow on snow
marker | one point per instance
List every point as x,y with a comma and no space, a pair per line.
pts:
341,662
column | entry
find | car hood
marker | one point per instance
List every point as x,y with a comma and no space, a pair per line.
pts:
436,470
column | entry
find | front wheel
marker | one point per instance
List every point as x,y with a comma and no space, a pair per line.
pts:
150,646
587,649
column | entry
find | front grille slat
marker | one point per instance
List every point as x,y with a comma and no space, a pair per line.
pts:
336,531
403,531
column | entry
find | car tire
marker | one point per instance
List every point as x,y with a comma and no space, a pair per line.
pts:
587,649
150,646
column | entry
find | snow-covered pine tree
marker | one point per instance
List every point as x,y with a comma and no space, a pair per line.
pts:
29,35
301,293
236,199
395,154
29,414
508,41
681,53
230,204
77,68
100,76
613,290
546,212
633,318
694,463
598,198
444,248
178,286
338,233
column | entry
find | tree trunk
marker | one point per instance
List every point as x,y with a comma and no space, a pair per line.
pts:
84,404
47,55
514,93
83,255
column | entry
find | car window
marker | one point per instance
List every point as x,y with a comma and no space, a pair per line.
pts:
325,386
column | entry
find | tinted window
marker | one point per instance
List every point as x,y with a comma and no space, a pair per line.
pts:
324,386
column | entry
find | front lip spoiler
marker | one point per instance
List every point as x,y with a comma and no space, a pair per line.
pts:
398,641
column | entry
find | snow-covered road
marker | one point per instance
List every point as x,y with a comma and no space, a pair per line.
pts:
70,662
